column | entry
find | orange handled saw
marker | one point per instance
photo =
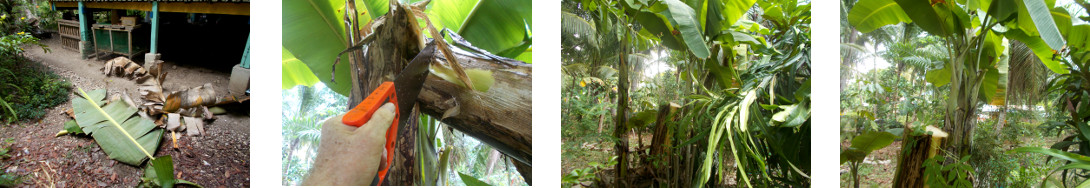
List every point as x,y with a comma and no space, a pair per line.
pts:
403,92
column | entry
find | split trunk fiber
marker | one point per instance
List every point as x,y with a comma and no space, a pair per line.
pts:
915,150
499,117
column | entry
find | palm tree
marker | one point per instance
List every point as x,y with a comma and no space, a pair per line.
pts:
302,127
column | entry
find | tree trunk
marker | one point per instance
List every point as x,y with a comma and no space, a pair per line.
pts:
395,42
1002,120
848,63
961,106
916,149
621,148
601,122
660,133
855,174
499,117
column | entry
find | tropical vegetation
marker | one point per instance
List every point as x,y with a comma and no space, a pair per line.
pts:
976,93
26,89
692,93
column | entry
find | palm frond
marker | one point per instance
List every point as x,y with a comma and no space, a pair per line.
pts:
583,38
1027,75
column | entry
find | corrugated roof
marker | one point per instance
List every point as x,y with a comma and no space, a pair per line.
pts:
194,1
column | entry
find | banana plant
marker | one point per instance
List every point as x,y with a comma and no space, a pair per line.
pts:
317,32
717,48
974,43
975,33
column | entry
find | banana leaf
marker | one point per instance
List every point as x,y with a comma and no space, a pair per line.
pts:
472,181
295,72
314,32
869,15
123,135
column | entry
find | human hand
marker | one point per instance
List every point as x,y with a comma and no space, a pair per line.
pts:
349,155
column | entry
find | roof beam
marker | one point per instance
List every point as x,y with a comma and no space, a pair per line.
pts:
203,8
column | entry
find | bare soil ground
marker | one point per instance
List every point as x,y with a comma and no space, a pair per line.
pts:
880,166
602,151
220,158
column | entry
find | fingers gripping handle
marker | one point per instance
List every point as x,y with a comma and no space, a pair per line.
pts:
359,116
362,112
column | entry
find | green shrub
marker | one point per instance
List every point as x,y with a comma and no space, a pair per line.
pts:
579,176
10,180
956,174
996,168
26,88
12,45
47,16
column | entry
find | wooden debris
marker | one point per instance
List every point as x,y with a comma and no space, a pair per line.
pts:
122,66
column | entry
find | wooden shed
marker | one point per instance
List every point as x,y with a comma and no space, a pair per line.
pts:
117,36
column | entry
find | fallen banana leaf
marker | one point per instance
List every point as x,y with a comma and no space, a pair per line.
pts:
124,136
122,66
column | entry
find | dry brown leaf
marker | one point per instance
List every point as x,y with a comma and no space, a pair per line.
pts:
151,88
161,121
70,113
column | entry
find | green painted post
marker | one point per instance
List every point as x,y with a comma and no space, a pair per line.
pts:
84,32
154,27
246,54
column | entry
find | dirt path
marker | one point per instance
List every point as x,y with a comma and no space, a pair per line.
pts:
220,158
